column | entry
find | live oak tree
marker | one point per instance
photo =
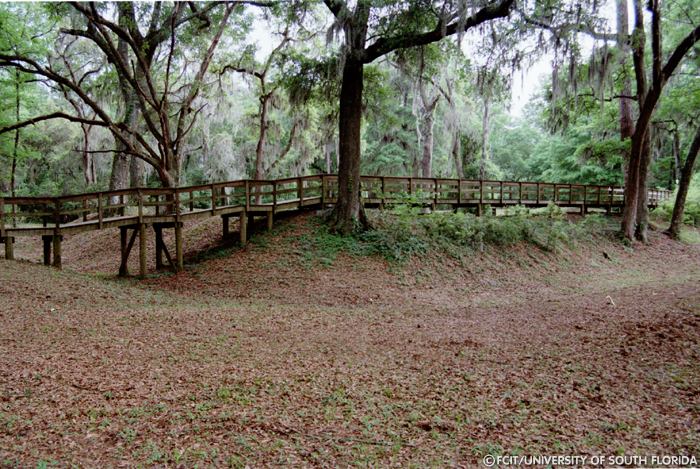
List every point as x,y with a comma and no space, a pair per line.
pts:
635,213
674,229
371,31
160,95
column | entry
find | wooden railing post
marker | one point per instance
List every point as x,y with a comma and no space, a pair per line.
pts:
538,193
520,193
100,216
274,195
435,193
191,201
481,191
383,188
247,194
57,214
139,196
57,234
300,191
2,217
213,199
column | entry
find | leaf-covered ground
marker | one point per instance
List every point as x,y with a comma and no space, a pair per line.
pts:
288,353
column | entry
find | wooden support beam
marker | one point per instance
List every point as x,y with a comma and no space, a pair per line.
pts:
178,247
270,220
243,227
57,263
47,249
225,227
169,258
2,217
142,250
9,247
159,246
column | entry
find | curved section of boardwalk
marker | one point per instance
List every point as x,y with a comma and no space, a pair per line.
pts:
133,211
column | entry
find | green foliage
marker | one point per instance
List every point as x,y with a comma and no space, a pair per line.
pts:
404,231
691,215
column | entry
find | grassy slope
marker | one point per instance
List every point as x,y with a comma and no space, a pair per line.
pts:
267,356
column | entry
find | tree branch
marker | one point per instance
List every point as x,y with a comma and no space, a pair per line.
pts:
384,45
53,115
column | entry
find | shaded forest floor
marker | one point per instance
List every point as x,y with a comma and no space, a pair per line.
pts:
284,354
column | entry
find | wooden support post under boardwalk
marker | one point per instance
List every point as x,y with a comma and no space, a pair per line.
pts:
270,220
142,249
224,222
123,269
243,224
9,248
57,251
180,264
159,246
47,249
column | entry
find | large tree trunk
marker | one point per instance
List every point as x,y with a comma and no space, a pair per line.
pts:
262,137
632,182
676,174
457,154
626,119
679,207
641,232
15,147
119,178
88,161
122,176
427,145
484,140
347,210
136,172
328,149
425,121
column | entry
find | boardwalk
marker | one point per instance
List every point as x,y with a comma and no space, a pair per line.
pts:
134,211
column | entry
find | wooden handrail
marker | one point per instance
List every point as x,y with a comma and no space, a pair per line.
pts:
468,191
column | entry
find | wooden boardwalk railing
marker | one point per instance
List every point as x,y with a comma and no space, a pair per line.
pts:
161,208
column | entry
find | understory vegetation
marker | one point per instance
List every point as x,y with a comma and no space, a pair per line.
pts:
404,231
691,216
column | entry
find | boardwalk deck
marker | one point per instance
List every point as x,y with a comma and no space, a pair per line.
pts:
135,210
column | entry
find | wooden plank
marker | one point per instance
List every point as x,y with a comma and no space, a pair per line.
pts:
9,247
